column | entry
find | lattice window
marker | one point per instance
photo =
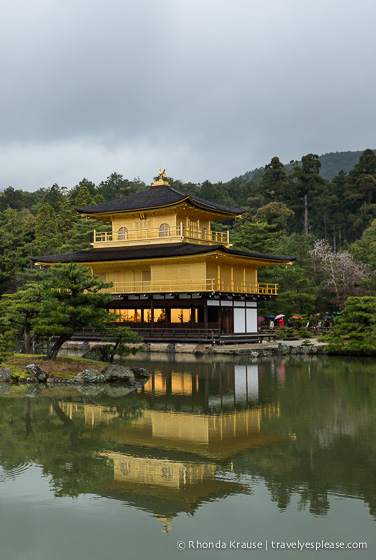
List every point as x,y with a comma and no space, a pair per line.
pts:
123,233
164,230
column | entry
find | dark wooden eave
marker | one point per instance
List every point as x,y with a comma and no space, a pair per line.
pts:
157,197
167,250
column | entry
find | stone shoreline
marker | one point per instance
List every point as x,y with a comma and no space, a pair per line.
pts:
138,376
254,349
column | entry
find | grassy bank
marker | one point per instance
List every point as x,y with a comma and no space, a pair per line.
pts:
60,367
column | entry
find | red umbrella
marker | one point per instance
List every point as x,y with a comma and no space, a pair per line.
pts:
296,317
279,316
260,319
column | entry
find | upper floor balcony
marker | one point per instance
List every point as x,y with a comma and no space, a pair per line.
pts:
163,234
192,286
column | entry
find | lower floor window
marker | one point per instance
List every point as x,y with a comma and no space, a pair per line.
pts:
161,315
180,315
127,315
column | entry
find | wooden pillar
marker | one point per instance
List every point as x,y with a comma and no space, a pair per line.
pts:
206,315
219,277
232,278
192,317
151,313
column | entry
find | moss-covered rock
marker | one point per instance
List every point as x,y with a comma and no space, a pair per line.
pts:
90,376
35,371
117,373
140,373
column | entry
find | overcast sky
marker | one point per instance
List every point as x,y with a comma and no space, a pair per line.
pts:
207,89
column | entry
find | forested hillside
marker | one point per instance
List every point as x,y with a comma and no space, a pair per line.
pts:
330,225
331,165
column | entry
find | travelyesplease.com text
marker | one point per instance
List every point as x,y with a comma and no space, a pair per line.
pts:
270,545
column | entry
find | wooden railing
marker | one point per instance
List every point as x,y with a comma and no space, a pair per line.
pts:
209,285
172,334
153,233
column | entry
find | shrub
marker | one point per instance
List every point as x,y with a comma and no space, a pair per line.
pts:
354,331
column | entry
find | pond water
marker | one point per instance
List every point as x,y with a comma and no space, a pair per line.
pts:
208,454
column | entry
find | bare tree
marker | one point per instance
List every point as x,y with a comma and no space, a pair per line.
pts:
340,274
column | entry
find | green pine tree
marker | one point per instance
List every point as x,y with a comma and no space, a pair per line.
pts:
47,233
121,339
354,330
72,301
19,312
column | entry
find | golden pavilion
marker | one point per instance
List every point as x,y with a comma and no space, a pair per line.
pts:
173,275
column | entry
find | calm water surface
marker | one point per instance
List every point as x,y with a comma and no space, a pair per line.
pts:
209,451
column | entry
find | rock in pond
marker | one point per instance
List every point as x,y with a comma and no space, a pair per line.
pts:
5,374
283,348
200,350
140,373
36,372
90,376
118,373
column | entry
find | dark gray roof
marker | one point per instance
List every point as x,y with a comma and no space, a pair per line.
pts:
156,197
150,252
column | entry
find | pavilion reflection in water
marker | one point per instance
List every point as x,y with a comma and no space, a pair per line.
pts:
178,452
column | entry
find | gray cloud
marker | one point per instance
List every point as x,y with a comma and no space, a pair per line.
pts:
207,89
